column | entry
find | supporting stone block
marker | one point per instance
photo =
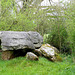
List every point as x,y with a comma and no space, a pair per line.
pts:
7,55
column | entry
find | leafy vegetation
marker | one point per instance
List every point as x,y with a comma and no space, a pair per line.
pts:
62,29
70,22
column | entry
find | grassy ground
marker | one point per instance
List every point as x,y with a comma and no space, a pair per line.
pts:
21,66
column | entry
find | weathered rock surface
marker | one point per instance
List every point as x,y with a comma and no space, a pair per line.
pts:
36,39
31,56
50,46
7,55
37,52
50,52
14,40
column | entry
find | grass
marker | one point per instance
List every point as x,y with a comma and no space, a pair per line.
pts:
22,66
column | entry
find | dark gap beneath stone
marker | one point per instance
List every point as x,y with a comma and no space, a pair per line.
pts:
0,44
10,54
21,52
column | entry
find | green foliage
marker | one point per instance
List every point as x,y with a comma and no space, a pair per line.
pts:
20,23
10,20
21,66
57,36
70,24
61,32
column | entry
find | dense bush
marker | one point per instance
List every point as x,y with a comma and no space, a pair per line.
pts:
15,21
19,23
70,24
58,38
62,31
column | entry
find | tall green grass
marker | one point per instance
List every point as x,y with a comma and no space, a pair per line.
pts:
22,66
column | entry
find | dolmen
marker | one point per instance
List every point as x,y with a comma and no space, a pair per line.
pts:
30,44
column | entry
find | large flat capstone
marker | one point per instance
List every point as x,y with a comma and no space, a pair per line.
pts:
14,40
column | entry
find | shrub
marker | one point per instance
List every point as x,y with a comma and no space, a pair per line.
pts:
58,38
